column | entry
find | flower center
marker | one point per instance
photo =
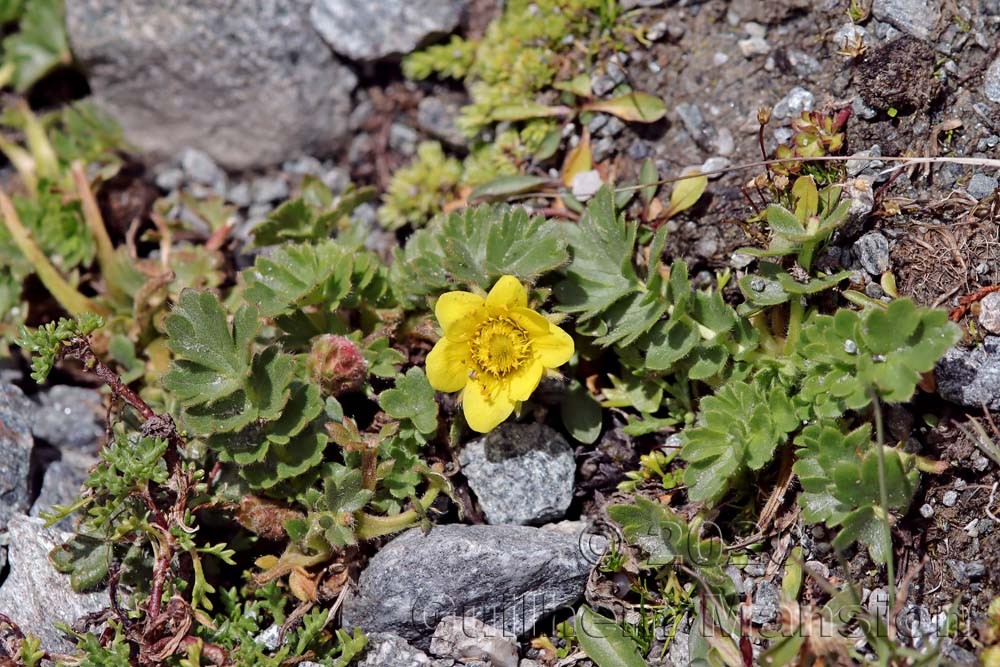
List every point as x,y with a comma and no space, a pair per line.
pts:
500,347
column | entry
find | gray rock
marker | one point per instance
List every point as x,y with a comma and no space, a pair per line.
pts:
403,139
388,650
586,184
371,31
989,312
508,576
850,34
766,602
305,165
680,649
754,46
463,637
927,510
250,87
949,498
991,81
70,418
436,116
632,4
199,167
521,473
34,595
15,444
62,484
981,186
239,195
170,179
269,637
269,189
794,103
694,122
971,377
919,18
872,251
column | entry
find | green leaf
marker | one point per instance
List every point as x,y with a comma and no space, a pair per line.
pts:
313,217
737,431
604,641
413,399
581,414
633,107
668,540
601,272
39,45
212,358
296,276
669,342
505,186
475,248
649,178
840,482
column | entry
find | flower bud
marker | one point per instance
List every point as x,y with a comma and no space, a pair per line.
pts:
336,365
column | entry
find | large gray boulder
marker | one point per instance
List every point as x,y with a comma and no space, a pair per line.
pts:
507,576
521,473
370,31
34,595
247,81
15,452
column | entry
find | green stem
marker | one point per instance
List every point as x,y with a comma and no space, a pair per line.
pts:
46,161
95,221
367,526
23,163
796,312
883,492
70,299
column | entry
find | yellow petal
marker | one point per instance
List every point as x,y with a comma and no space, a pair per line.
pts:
453,308
554,349
448,365
553,346
508,292
482,413
525,381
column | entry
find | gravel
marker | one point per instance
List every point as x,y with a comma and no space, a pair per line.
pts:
694,122
521,474
437,115
586,184
250,88
510,575
385,30
950,498
269,189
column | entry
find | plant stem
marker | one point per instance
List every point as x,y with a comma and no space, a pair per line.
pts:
883,492
94,220
796,312
368,526
70,299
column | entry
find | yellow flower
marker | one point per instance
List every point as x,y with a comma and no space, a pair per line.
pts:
495,349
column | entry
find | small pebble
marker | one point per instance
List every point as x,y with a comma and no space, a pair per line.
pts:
794,103
754,46
586,184
981,186
872,251
926,511
989,312
949,498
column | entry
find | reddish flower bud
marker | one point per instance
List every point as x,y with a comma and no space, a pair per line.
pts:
336,364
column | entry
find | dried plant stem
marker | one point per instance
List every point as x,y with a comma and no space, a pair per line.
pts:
95,221
74,302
